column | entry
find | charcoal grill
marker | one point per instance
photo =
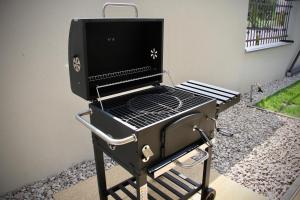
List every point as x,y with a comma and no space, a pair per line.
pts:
147,127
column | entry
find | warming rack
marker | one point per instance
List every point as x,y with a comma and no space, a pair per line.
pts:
129,80
119,73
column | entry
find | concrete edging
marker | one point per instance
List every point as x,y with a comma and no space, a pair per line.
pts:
292,191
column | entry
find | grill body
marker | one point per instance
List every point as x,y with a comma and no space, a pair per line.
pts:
165,137
153,129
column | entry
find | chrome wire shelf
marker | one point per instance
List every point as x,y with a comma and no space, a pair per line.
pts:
128,81
119,74
147,109
149,104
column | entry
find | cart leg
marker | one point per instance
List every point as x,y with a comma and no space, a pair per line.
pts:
206,174
100,172
142,188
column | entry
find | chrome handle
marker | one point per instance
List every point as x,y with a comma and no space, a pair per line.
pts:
102,135
120,5
201,160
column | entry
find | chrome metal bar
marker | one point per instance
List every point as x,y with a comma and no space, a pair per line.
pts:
177,182
170,78
120,5
146,110
173,163
197,162
221,130
119,73
187,179
100,101
130,80
120,82
102,135
208,142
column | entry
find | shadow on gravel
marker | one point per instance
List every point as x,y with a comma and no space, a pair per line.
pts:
250,127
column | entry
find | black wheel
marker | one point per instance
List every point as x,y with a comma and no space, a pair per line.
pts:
210,194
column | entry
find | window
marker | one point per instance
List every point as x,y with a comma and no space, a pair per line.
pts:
267,22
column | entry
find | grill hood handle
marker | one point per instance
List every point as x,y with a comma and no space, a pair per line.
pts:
120,5
102,135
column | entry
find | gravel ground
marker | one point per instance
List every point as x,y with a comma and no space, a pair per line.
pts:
45,188
263,154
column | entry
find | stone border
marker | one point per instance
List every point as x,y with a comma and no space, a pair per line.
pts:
292,191
253,105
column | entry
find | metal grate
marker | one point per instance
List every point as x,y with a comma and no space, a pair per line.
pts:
267,21
170,185
119,73
147,109
154,104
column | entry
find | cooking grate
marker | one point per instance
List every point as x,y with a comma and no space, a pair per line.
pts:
154,104
147,109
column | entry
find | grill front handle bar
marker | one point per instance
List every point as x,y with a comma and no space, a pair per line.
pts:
107,138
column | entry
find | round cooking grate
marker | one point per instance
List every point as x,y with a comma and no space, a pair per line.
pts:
154,104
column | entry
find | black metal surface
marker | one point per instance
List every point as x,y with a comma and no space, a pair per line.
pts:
125,155
198,90
130,156
225,98
206,174
141,182
127,192
114,195
172,141
101,178
158,187
293,69
115,55
159,192
185,178
267,21
105,51
171,188
177,182
185,186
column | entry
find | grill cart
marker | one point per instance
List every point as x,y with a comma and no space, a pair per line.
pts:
147,127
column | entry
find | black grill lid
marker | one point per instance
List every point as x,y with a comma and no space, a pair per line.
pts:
103,52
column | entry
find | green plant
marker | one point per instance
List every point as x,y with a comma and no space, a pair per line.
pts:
285,101
261,13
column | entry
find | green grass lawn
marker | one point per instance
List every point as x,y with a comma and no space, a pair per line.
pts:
286,101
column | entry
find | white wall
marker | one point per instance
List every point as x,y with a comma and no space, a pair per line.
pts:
38,133
204,40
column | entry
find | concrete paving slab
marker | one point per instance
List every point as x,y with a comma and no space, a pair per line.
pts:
88,189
